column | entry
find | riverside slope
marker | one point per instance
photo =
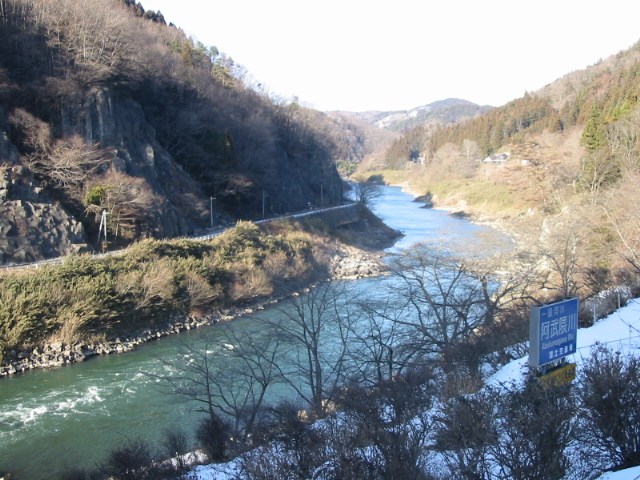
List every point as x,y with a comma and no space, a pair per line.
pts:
367,235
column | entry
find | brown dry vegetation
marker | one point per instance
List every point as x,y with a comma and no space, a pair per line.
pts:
109,108
87,297
566,190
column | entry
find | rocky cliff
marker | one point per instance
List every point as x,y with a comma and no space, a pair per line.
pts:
119,126
32,226
106,114
37,222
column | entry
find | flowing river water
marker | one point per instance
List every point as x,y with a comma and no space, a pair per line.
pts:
51,420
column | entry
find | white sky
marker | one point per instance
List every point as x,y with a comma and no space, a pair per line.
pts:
359,55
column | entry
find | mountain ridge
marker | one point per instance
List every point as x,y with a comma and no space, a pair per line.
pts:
447,111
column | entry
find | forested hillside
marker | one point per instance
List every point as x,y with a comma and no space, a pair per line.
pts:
416,126
559,168
105,107
591,98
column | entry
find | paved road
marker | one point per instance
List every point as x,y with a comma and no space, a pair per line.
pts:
207,236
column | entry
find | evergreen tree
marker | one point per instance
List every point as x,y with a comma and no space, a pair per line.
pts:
593,136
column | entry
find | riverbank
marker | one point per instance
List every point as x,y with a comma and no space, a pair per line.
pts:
110,395
462,210
345,262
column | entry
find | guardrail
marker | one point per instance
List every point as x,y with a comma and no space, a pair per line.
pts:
208,236
622,345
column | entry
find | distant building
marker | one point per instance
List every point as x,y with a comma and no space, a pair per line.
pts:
498,158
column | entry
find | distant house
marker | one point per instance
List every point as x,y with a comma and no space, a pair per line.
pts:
499,158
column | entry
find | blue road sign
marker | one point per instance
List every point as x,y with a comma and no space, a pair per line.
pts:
553,331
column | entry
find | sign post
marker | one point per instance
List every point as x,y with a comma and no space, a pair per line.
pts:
553,335
553,331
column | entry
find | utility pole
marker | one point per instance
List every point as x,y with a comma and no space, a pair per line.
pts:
103,224
211,199
263,198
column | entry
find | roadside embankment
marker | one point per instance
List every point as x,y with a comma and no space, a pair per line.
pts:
263,268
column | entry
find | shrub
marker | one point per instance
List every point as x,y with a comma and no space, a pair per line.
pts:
610,396
249,282
176,445
95,195
213,436
533,429
87,296
465,428
129,462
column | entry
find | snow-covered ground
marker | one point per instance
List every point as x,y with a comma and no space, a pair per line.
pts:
628,474
620,331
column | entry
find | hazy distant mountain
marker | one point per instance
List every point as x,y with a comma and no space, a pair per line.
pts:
355,137
449,111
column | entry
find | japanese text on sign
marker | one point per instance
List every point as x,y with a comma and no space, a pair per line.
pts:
553,331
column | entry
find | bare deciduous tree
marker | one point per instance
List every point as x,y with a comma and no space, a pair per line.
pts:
470,150
622,210
127,200
380,342
390,420
72,161
598,169
446,301
465,429
623,141
366,192
534,428
227,372
92,40
316,326
33,133
610,396
559,253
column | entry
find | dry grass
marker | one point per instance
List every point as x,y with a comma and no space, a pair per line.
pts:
86,297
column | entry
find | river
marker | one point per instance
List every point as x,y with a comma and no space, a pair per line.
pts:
53,419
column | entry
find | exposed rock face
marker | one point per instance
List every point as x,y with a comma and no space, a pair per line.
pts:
35,231
351,264
60,354
108,116
119,125
35,227
32,227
